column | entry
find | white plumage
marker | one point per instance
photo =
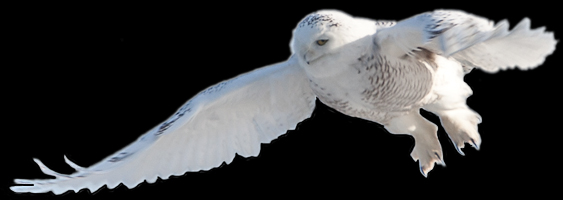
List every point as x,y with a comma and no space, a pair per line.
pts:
375,70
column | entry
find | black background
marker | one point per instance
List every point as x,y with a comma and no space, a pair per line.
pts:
86,80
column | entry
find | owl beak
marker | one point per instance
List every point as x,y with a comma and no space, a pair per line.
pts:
310,57
305,55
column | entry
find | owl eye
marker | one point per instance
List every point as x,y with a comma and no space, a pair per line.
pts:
321,42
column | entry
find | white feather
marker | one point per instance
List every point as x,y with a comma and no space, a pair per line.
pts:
522,47
233,117
473,41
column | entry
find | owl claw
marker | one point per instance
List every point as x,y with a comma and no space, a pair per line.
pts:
428,153
459,150
441,160
475,145
459,142
426,167
461,126
423,172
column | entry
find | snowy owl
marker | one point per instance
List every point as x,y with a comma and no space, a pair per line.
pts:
381,71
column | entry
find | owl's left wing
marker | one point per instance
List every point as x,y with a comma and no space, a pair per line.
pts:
234,116
472,40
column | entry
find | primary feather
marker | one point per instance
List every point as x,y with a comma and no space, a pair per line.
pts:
473,41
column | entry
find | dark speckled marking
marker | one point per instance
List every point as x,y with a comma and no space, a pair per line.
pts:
384,23
120,157
316,19
181,112
394,84
440,22
187,107
217,87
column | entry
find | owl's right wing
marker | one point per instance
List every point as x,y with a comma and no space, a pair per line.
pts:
232,117
474,41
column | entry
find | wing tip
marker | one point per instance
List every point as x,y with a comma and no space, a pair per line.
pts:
21,189
28,186
45,186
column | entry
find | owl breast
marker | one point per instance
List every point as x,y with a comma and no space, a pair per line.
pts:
377,88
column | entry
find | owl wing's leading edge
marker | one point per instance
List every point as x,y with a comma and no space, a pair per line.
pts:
473,41
234,116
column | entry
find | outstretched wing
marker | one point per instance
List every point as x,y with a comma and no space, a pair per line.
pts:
474,41
234,116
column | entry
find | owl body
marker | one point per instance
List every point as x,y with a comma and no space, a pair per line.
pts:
381,71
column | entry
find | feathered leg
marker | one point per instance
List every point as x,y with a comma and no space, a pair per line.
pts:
427,149
461,126
457,118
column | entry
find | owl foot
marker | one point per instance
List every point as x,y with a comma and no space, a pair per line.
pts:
461,126
427,151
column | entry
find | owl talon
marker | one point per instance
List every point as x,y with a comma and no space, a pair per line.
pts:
459,150
461,126
423,171
442,163
475,145
428,154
